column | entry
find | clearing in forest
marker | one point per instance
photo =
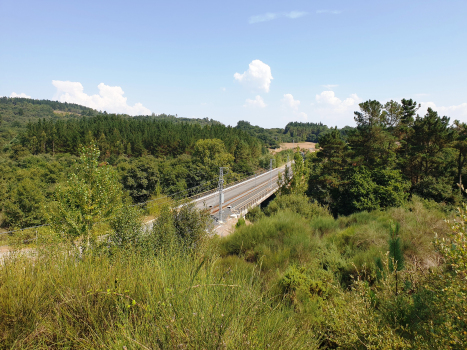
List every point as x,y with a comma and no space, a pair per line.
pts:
289,145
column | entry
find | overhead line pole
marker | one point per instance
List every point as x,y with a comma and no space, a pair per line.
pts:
270,173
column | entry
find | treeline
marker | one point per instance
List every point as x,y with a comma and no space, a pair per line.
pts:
16,113
305,131
293,131
392,153
117,135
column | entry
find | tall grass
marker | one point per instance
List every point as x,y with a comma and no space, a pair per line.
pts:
273,241
172,300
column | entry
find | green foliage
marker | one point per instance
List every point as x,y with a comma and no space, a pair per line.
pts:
90,198
185,226
372,143
297,286
326,169
288,280
211,154
371,190
191,224
254,214
450,287
297,203
388,156
272,240
437,189
298,184
23,205
140,177
163,233
240,222
118,135
127,227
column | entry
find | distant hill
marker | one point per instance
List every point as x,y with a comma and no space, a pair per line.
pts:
17,112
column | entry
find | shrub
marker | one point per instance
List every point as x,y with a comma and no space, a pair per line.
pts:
297,203
324,225
296,279
240,222
186,226
127,227
283,237
254,214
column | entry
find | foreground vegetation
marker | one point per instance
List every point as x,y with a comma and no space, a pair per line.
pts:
296,278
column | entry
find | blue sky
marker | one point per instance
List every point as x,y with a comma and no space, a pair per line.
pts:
268,62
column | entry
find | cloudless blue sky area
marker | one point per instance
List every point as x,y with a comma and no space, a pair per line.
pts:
180,57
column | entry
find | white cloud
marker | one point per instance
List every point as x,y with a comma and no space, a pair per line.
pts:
289,101
330,86
454,112
223,89
110,98
258,76
329,98
332,111
263,18
295,14
290,106
14,94
332,12
269,16
257,102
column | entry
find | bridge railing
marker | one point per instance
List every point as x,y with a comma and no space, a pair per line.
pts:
243,207
214,190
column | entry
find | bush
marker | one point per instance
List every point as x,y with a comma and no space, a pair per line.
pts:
254,214
324,225
299,204
274,240
186,226
240,222
296,280
127,227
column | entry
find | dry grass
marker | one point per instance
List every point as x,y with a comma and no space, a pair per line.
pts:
309,146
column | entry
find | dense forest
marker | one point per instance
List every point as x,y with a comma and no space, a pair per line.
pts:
134,137
16,113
